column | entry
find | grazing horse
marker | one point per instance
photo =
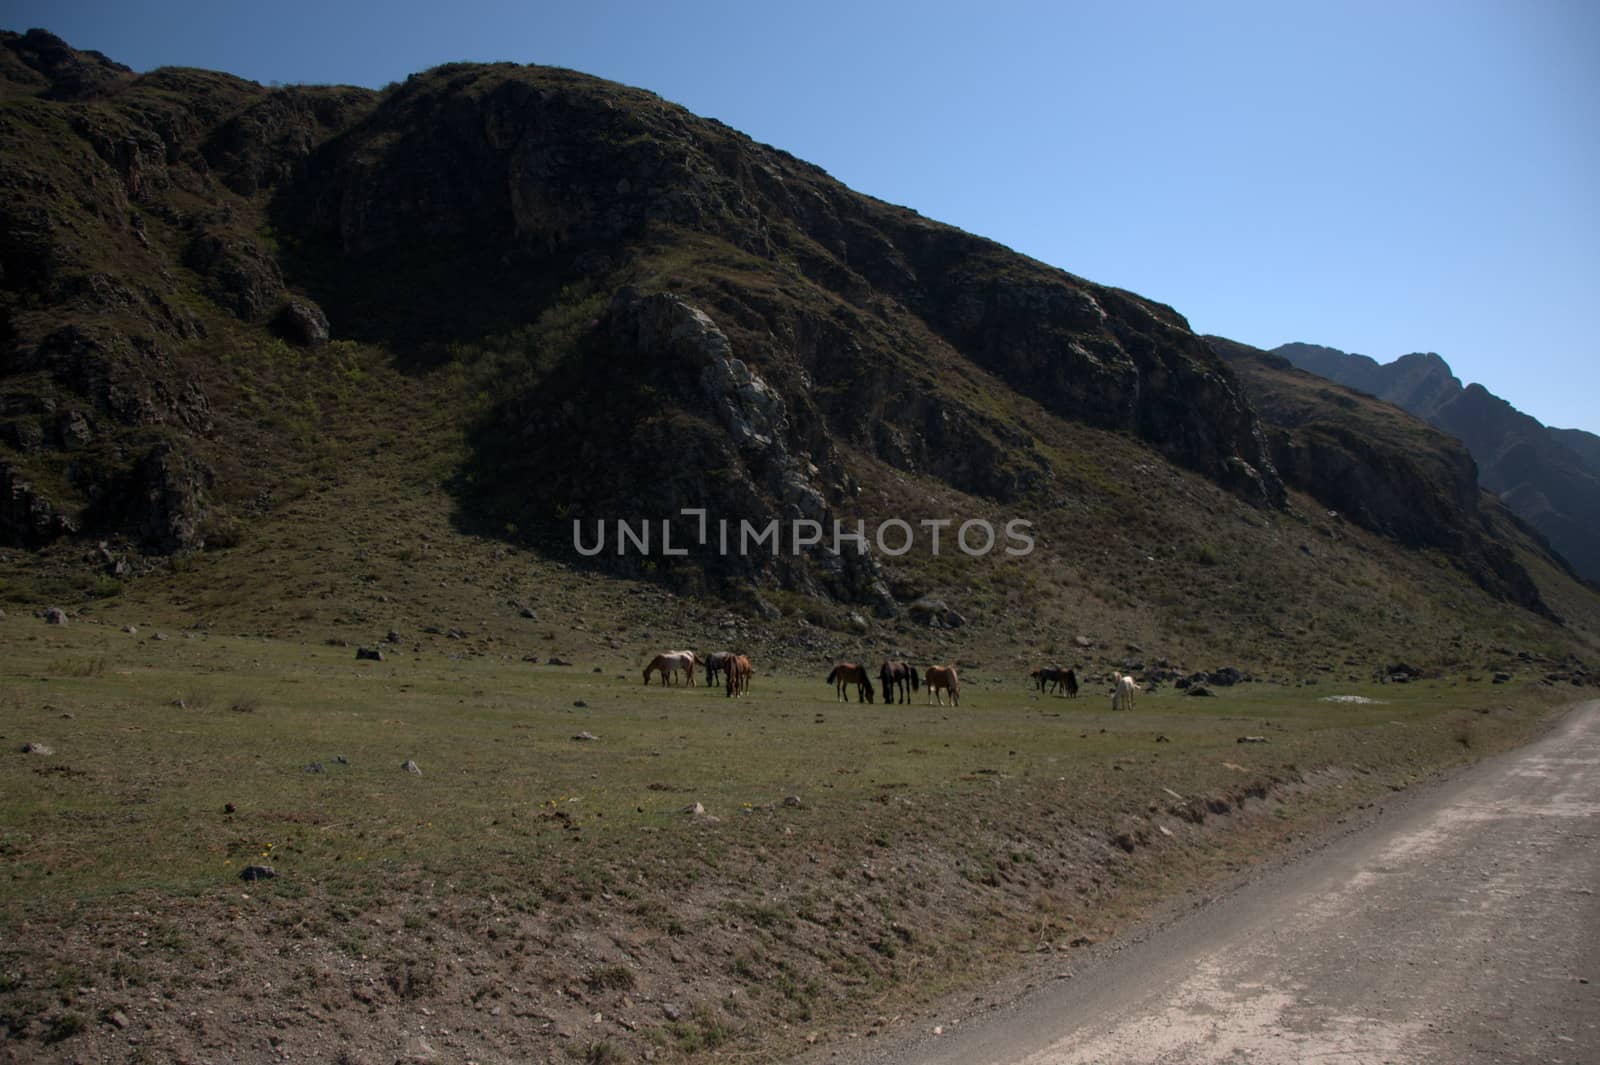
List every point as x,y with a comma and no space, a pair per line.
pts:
942,678
715,662
1055,677
737,670
1122,694
670,662
897,675
847,673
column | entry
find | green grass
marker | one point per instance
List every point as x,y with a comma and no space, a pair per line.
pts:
154,741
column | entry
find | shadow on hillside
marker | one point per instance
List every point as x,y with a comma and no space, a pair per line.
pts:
418,301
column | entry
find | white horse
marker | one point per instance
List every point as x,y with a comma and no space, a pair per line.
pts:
1122,692
671,662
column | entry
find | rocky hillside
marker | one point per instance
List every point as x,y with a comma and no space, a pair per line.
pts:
573,301
1549,477
710,320
1379,468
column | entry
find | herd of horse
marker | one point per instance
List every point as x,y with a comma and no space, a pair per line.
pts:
893,677
734,669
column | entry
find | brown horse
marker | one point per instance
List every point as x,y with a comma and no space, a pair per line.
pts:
737,669
846,673
669,663
942,678
897,675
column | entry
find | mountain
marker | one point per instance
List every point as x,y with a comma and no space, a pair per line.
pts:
1549,477
1420,383
547,304
1585,445
1378,468
481,192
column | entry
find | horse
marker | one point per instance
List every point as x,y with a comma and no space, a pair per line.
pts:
942,678
1057,678
897,674
715,662
670,662
1122,695
737,670
847,673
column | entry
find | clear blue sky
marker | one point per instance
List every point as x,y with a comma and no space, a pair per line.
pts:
1378,177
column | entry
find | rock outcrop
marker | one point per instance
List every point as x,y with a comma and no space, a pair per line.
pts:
568,174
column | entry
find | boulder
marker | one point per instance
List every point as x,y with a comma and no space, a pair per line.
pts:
935,613
302,322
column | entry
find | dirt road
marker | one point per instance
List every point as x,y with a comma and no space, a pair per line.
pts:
1461,927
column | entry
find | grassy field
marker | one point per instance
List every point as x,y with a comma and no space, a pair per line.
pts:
544,896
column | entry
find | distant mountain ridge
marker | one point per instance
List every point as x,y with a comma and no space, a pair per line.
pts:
1548,477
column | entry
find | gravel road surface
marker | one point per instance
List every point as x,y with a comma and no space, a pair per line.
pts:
1461,926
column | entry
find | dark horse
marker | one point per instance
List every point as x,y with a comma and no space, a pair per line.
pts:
847,673
897,675
1061,679
715,663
